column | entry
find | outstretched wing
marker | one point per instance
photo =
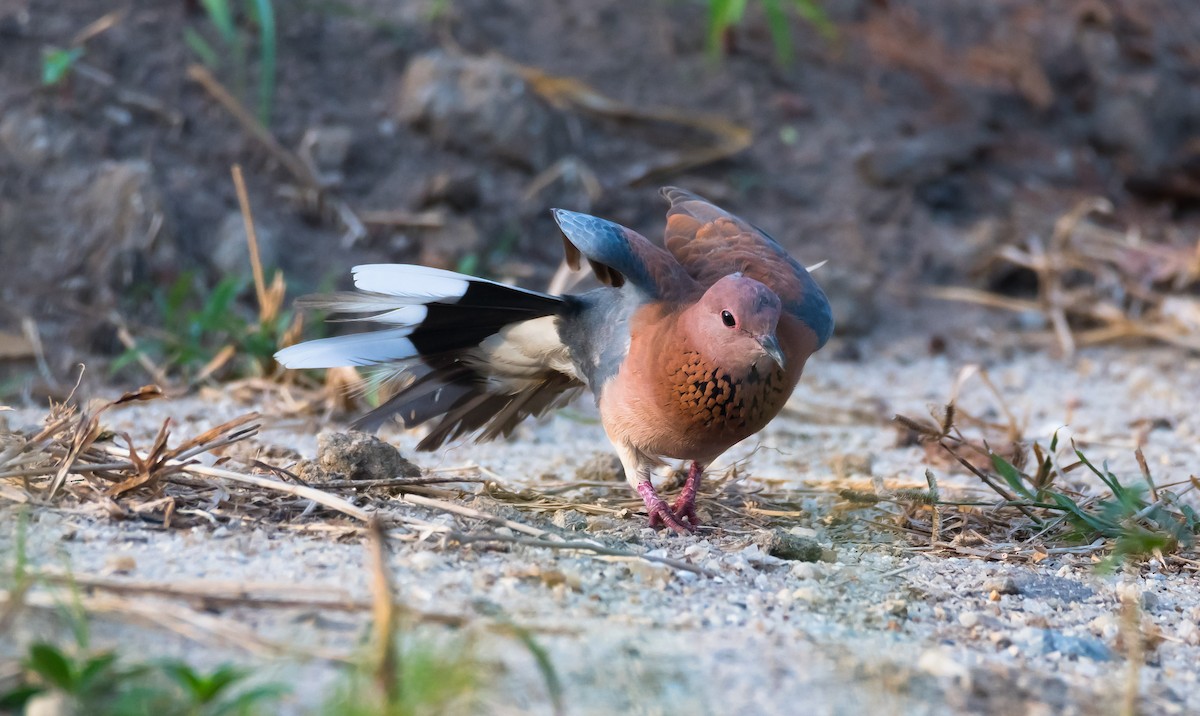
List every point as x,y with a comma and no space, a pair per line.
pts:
617,254
710,243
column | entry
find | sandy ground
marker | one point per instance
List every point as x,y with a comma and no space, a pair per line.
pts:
878,626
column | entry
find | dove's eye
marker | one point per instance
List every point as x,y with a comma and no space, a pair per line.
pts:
728,319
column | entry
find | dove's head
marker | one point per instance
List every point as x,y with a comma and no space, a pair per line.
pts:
736,320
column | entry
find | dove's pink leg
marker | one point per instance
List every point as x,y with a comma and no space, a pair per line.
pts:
660,513
685,504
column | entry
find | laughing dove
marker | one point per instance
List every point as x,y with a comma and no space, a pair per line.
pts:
687,350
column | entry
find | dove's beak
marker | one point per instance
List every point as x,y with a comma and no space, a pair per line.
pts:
770,346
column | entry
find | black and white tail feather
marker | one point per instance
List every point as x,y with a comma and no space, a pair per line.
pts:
478,354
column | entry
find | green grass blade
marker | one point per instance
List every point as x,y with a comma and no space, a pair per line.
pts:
57,64
220,12
51,665
200,46
781,36
815,15
1079,517
722,14
1012,476
545,666
267,50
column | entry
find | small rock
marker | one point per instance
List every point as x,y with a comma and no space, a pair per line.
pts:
328,147
652,573
423,561
229,253
1051,641
358,456
460,192
755,555
1188,632
601,467
115,226
569,520
1001,585
805,570
895,608
968,619
30,141
1105,626
475,103
120,564
443,247
784,545
943,663
51,703
847,465
1150,601
923,158
853,293
809,595
1041,586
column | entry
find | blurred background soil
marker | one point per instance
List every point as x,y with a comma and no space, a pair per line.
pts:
906,144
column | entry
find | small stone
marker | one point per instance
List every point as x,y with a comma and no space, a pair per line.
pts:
943,663
1150,601
120,564
422,561
569,520
51,703
895,607
328,147
809,595
446,245
460,192
968,619
229,252
755,555
480,104
1002,585
30,141
1105,626
848,465
600,467
651,573
1188,632
782,544
805,570
358,456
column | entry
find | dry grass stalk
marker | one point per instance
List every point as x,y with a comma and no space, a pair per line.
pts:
387,656
312,190
569,93
1099,285
167,486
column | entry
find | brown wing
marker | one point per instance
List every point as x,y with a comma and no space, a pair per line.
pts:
711,243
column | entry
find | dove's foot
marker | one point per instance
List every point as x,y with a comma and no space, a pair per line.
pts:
660,513
685,505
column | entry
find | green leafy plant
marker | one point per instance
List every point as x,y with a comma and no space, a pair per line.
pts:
428,678
102,685
724,15
95,680
222,18
1137,517
57,64
185,691
1135,521
199,329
